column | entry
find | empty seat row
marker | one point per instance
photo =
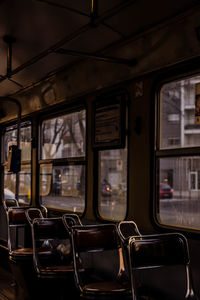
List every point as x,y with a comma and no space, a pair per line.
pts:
102,260
99,248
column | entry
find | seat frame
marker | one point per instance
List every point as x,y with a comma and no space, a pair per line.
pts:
48,272
71,218
97,238
125,238
137,242
16,219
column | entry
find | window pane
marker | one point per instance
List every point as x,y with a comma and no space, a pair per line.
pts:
63,186
10,138
113,184
179,191
180,114
45,179
24,184
64,136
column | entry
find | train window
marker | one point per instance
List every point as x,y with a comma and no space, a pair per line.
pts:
62,164
178,154
10,138
64,136
179,125
113,184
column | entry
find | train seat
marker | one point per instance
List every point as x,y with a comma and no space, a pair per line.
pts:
70,220
98,262
20,245
35,213
55,260
19,231
157,253
127,229
7,203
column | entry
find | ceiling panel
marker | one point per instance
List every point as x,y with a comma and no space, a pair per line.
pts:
141,15
42,68
93,40
39,26
35,26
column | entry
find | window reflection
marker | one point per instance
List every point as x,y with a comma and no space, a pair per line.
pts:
63,186
179,125
62,180
179,200
64,136
10,138
113,184
24,184
178,168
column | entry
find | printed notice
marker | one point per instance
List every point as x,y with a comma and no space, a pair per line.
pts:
109,121
107,124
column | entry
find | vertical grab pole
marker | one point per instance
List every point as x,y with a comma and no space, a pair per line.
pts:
18,147
4,99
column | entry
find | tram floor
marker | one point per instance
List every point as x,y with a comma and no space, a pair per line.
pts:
7,285
50,289
37,289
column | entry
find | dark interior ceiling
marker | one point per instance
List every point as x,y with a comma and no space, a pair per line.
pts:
45,35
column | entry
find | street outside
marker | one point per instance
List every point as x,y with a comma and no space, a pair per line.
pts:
109,209
184,212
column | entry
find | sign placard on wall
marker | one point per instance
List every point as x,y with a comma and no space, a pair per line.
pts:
109,112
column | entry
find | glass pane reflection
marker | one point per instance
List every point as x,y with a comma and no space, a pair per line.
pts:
179,191
63,186
113,184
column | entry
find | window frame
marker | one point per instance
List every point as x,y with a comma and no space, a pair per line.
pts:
126,144
79,160
25,122
182,72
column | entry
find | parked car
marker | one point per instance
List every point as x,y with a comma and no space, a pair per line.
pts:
165,191
9,195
